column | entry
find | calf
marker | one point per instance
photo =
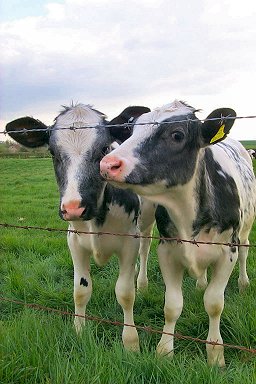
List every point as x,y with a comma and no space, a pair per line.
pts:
252,153
89,204
207,191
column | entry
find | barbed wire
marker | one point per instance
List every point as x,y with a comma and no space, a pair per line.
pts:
125,125
118,323
135,235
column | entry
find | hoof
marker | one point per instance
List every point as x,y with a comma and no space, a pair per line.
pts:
243,284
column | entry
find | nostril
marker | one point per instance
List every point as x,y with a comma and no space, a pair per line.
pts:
117,166
111,167
72,210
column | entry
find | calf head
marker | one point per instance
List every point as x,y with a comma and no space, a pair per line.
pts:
76,154
163,151
78,140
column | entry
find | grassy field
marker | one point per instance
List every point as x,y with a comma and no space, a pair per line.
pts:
249,143
42,347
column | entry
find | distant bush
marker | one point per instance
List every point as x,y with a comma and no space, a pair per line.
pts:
9,148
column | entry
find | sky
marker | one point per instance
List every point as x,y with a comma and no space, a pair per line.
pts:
115,53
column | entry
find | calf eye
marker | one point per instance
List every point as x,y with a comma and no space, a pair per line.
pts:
178,136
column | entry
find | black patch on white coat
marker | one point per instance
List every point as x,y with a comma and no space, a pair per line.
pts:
128,200
61,162
91,184
241,164
169,153
218,202
165,225
84,282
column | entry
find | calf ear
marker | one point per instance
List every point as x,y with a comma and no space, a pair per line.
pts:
117,127
217,129
34,135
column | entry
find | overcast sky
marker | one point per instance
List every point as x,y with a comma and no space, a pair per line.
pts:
112,54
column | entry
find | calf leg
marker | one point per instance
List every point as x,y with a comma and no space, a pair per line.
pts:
214,304
125,293
172,274
146,224
142,279
82,279
243,280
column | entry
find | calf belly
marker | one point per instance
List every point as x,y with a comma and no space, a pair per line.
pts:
103,246
197,257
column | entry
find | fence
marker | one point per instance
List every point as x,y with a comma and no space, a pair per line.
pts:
100,233
129,125
178,240
117,323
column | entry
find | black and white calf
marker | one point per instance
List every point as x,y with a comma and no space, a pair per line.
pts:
89,204
252,153
206,189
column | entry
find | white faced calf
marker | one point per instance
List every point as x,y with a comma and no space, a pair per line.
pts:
89,204
207,191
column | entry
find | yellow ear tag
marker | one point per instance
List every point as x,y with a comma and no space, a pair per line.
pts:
219,134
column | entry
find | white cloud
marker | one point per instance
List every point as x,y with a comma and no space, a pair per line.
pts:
56,11
116,53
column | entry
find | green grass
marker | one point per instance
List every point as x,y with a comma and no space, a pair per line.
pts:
42,347
249,144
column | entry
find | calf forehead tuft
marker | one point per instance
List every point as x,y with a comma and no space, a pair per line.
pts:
176,108
78,114
172,109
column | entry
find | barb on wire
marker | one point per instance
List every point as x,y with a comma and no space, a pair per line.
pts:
134,235
127,125
118,323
